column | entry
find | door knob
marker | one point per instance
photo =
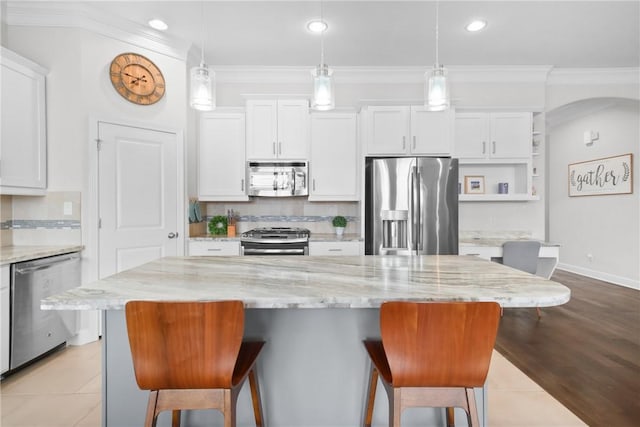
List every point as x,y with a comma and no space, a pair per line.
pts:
172,235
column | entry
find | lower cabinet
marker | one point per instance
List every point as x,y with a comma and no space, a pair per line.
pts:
336,248
213,248
5,287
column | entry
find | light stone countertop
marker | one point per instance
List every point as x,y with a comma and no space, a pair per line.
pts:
332,237
315,237
212,238
497,241
316,282
11,254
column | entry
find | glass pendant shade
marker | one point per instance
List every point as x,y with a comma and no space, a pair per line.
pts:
323,94
437,89
202,94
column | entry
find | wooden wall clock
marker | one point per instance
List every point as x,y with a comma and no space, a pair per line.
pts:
137,78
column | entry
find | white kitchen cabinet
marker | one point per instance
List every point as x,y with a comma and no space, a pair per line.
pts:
334,157
496,147
348,248
221,157
23,152
431,131
277,129
405,130
5,287
493,135
214,247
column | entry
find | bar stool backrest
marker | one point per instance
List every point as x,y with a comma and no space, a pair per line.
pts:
184,345
439,344
522,255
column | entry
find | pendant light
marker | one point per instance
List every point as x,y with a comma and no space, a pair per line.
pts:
202,90
436,82
323,94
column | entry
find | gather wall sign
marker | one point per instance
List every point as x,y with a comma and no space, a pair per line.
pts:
601,177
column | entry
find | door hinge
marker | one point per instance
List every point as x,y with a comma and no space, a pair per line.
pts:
99,222
99,144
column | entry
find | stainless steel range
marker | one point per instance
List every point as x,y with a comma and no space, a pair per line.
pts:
275,241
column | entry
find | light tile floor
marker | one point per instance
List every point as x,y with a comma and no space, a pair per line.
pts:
63,390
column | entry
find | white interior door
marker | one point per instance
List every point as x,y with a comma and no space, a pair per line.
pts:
137,185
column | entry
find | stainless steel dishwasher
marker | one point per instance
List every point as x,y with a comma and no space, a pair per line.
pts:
35,331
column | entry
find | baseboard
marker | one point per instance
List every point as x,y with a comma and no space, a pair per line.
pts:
606,277
89,328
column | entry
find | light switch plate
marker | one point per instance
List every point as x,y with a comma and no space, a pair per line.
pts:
68,208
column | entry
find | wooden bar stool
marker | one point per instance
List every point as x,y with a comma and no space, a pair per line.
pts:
432,355
190,355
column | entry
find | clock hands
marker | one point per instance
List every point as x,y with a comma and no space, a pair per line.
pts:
136,80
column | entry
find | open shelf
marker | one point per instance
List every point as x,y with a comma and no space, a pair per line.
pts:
497,197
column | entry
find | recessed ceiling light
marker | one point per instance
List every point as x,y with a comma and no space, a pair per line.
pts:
476,25
158,24
317,26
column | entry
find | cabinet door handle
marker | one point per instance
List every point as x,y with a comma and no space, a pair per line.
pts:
414,142
214,249
314,184
404,142
280,147
242,185
484,147
274,148
494,148
172,235
335,250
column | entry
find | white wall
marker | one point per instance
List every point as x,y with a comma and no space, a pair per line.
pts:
606,227
78,88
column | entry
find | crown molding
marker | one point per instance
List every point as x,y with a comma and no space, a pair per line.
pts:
88,16
594,76
380,75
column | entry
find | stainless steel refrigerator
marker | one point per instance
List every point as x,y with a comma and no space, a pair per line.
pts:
411,206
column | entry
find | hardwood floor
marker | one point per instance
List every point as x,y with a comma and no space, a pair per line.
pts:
585,353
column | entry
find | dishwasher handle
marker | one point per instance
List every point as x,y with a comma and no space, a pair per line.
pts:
45,265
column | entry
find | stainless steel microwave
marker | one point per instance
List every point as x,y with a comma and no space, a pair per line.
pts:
277,179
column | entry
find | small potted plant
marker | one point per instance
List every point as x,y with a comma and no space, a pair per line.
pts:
218,225
339,223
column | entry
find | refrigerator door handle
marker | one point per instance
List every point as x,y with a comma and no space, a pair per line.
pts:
418,211
415,208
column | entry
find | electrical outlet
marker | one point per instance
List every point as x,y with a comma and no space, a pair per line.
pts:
67,208
590,257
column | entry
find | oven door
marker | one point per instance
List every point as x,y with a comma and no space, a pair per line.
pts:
274,248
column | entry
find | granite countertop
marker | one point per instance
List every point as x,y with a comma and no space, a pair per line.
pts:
11,254
316,282
497,241
332,237
315,237
213,238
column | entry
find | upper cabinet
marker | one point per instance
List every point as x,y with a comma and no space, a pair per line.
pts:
221,157
277,129
334,157
23,152
408,130
493,135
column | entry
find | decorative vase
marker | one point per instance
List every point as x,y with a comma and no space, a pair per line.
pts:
339,231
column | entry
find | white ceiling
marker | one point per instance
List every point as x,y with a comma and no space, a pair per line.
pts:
400,33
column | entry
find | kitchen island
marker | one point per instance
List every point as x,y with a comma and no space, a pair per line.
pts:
312,311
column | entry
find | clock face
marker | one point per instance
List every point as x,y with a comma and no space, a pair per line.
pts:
137,79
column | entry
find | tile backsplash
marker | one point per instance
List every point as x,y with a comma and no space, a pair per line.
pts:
288,212
52,219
